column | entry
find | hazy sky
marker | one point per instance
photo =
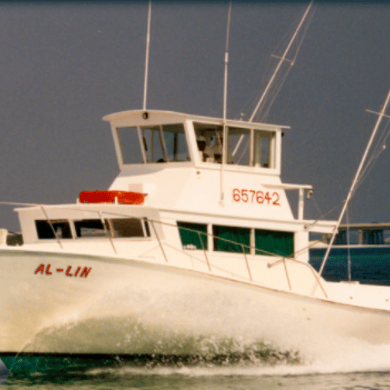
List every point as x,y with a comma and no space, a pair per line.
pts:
63,67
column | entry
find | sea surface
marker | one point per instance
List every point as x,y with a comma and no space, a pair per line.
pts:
369,370
319,361
369,265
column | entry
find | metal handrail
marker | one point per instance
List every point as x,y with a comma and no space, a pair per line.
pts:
87,209
159,242
204,251
243,246
215,268
52,227
107,233
247,264
300,262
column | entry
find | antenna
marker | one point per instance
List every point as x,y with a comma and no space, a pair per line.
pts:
282,59
147,56
226,62
224,135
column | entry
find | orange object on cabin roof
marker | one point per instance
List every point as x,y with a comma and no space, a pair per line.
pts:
123,197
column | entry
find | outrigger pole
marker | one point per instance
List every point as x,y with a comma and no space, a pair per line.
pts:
147,56
282,59
354,182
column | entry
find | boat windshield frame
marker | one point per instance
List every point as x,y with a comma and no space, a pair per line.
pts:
246,146
155,122
162,143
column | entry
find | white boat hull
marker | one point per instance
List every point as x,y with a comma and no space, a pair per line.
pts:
130,307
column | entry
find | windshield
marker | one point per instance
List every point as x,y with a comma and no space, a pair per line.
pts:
153,144
245,147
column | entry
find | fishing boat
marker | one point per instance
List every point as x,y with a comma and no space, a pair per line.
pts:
194,249
193,234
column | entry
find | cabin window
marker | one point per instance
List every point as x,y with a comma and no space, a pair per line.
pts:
193,235
94,228
153,144
54,229
165,143
231,239
263,149
245,147
126,227
115,228
90,228
239,141
237,239
129,145
175,142
209,141
271,242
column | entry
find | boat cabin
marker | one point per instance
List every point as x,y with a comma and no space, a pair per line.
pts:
195,183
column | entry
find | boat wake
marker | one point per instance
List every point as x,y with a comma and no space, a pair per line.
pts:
238,340
323,355
308,353
349,356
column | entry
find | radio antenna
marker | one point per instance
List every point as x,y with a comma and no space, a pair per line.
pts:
226,62
147,56
224,135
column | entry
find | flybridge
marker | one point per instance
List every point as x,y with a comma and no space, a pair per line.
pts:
162,137
202,164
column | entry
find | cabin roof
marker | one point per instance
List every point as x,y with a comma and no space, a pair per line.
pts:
142,116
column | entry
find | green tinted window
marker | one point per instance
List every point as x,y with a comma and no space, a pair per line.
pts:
231,239
270,242
193,235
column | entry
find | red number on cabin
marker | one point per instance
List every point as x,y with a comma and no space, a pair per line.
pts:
260,197
276,201
236,195
244,195
251,196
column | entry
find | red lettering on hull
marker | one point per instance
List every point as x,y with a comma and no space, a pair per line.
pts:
77,271
68,271
40,269
45,270
85,272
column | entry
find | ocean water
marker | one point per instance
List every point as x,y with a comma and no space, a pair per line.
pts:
369,370
370,265
317,361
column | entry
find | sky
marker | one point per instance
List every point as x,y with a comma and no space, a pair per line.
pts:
64,66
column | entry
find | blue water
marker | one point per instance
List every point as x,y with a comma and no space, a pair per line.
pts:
368,265
246,376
